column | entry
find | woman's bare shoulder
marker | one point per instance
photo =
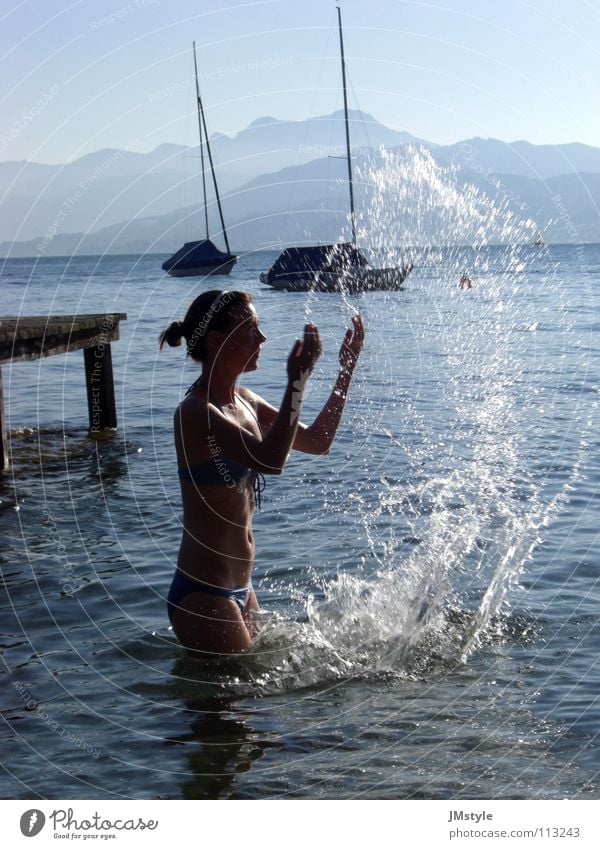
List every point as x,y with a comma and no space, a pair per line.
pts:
192,408
249,396
264,412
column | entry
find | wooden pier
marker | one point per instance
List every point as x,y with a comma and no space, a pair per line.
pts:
33,337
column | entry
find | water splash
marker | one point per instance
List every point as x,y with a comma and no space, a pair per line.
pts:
415,201
448,541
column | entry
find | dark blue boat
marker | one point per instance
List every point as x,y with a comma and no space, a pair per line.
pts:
199,258
330,268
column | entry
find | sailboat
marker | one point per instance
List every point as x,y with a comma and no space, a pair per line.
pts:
203,257
333,268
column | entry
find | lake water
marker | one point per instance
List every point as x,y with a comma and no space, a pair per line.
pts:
430,588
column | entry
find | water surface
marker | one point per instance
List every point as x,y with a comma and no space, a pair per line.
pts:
430,587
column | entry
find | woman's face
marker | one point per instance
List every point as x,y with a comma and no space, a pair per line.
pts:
245,338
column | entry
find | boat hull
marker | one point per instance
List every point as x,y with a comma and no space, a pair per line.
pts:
199,259
203,270
360,280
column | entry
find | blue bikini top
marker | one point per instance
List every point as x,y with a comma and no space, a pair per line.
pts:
223,471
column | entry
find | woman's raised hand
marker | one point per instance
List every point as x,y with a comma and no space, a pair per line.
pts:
304,354
352,345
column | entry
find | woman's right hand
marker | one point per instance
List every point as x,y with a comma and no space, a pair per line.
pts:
304,354
352,345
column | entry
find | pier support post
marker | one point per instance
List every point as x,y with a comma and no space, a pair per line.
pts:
100,387
3,440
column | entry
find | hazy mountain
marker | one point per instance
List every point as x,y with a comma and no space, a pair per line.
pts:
110,186
419,201
96,190
522,158
276,174
268,144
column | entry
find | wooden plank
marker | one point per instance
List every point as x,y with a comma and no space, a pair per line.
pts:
9,322
30,326
35,349
31,338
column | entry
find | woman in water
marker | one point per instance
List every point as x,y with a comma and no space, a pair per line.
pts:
227,438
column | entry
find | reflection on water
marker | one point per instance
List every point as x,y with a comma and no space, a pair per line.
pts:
220,743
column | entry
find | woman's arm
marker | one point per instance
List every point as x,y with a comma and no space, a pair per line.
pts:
209,427
318,437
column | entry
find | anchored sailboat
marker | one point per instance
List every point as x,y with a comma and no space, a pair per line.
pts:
202,258
339,267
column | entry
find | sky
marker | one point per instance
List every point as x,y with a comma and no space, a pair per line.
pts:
83,75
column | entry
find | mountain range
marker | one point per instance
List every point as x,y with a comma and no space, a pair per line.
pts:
285,181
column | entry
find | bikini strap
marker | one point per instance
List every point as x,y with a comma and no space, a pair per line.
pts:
193,386
259,483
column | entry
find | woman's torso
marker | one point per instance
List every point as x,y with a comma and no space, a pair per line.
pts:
217,543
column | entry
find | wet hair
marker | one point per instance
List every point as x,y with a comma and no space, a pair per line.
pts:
214,310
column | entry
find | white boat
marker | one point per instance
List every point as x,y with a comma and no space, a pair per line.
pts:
334,268
203,257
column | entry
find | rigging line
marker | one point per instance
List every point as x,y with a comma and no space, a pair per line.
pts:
369,153
214,177
346,122
333,197
306,128
199,108
363,123
187,185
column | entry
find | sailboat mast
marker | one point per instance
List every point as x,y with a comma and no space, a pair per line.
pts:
212,168
348,152
198,106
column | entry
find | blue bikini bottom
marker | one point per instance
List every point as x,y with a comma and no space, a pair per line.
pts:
183,586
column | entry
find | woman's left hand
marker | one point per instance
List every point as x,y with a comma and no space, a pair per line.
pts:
352,345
